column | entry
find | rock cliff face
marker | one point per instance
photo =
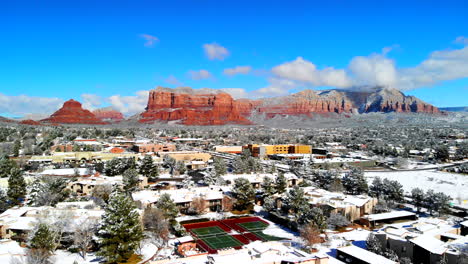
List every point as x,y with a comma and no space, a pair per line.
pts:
211,107
390,100
108,114
191,107
72,113
30,122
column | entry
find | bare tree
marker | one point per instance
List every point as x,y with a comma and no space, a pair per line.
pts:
227,203
156,226
311,234
198,205
83,235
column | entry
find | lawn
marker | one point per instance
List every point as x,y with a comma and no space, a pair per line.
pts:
208,231
222,241
256,225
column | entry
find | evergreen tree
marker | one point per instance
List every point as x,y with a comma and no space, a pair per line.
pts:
16,187
42,244
314,216
374,245
442,153
167,206
269,204
148,168
337,220
16,148
355,182
5,166
281,183
180,167
240,166
295,202
268,186
3,201
243,192
130,180
120,232
219,166
377,188
417,195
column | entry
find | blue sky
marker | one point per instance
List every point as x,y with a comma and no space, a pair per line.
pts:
55,50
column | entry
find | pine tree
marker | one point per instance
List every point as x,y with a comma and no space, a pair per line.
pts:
42,243
147,166
35,192
268,186
167,205
417,195
355,182
295,202
3,201
314,216
120,232
281,183
5,166
130,180
243,192
377,188
219,166
374,245
180,167
16,187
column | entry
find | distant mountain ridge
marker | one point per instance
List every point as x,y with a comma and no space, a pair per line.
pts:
189,106
455,109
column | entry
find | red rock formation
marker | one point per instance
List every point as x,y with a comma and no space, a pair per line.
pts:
209,107
72,113
191,108
108,114
30,122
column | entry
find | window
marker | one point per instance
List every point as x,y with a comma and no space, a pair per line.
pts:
403,249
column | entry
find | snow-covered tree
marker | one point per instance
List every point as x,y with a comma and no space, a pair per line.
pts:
269,204
3,201
281,183
337,220
219,166
83,236
243,192
130,180
167,206
16,187
374,245
120,231
156,225
268,186
148,168
355,182
417,195
42,244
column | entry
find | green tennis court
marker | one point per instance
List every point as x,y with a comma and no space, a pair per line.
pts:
266,237
257,225
208,231
224,241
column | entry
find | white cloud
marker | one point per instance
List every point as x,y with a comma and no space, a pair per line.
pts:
173,80
237,70
214,51
236,93
150,40
379,70
130,105
375,69
91,101
25,105
462,40
305,71
200,75
277,87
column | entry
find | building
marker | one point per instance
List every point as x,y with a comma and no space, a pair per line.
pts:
374,220
79,157
194,160
211,196
357,255
85,185
229,149
267,150
149,147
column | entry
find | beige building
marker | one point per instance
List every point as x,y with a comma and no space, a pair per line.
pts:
80,157
85,185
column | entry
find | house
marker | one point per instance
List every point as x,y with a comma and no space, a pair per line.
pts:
357,255
374,220
149,147
85,185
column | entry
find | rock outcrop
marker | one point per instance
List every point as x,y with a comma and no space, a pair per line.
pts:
30,122
212,107
108,114
191,107
73,113
391,100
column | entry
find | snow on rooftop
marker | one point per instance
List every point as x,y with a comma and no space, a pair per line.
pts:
430,244
389,215
365,255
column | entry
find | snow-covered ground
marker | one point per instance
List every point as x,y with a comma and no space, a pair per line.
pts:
453,184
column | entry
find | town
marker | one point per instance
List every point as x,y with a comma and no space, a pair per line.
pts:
373,194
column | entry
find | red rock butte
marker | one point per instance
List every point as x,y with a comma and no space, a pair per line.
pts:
73,113
191,107
108,114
